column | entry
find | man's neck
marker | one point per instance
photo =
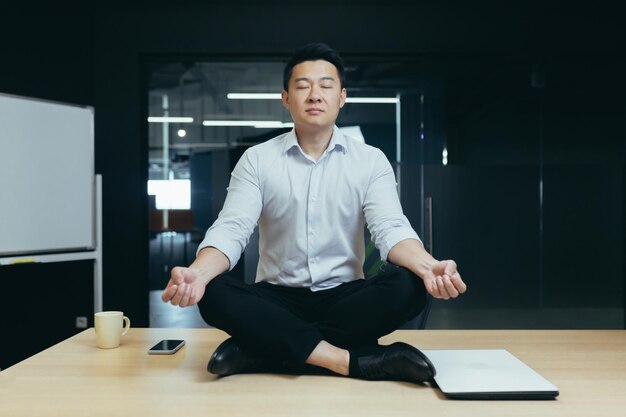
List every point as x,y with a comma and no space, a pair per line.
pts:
314,143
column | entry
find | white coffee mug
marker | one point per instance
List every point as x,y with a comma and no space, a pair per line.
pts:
110,328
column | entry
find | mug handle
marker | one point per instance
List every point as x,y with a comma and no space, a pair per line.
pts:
127,325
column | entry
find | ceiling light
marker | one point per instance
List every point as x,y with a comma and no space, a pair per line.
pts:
273,125
373,100
156,119
271,96
253,96
181,133
230,122
261,124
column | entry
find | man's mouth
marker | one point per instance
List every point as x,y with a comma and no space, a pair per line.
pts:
314,111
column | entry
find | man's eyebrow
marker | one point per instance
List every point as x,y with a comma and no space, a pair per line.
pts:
308,79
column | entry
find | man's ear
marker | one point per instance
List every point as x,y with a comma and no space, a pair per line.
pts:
285,98
342,97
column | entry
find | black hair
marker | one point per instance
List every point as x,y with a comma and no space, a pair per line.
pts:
314,52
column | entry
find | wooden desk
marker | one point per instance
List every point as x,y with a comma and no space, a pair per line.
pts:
74,378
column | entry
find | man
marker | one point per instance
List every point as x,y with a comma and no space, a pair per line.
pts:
312,191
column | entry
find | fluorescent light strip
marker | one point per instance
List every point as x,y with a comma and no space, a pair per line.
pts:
155,119
269,96
373,100
273,125
253,96
260,124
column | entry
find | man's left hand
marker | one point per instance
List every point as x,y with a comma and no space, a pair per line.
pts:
444,281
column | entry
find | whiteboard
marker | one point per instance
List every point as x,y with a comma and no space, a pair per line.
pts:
47,186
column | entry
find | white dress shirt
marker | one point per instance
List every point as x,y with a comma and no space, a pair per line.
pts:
311,214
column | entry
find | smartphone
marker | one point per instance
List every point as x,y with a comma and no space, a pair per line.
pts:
166,347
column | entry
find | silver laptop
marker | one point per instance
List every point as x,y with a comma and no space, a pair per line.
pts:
488,374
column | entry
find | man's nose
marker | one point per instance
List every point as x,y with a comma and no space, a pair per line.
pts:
314,95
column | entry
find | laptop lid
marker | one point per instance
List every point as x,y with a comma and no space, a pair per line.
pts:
488,374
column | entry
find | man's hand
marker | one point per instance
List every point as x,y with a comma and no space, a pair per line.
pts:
186,285
444,281
441,278
185,288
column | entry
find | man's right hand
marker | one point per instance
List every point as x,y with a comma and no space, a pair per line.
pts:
185,287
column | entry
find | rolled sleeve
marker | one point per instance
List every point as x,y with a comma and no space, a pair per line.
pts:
231,250
382,210
231,231
394,237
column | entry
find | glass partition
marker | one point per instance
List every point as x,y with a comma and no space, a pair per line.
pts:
512,167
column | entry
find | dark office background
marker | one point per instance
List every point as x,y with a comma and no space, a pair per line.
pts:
569,54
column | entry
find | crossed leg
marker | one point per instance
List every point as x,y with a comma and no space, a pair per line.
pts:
317,328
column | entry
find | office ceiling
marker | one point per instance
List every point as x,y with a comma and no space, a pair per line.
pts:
464,86
199,90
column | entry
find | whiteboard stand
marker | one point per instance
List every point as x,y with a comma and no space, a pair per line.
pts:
97,264
95,254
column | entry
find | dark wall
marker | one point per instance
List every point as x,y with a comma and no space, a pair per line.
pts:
97,57
53,297
47,54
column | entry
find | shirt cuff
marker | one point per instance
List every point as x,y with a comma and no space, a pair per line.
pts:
393,238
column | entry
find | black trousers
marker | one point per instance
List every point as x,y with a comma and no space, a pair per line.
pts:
288,323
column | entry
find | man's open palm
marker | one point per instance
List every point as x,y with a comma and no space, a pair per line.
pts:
184,288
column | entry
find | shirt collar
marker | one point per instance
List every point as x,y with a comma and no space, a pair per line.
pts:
337,141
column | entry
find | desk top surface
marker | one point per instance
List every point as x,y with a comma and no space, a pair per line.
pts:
75,378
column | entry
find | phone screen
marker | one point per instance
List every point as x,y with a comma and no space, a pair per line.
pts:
167,345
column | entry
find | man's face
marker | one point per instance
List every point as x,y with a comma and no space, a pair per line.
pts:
315,95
